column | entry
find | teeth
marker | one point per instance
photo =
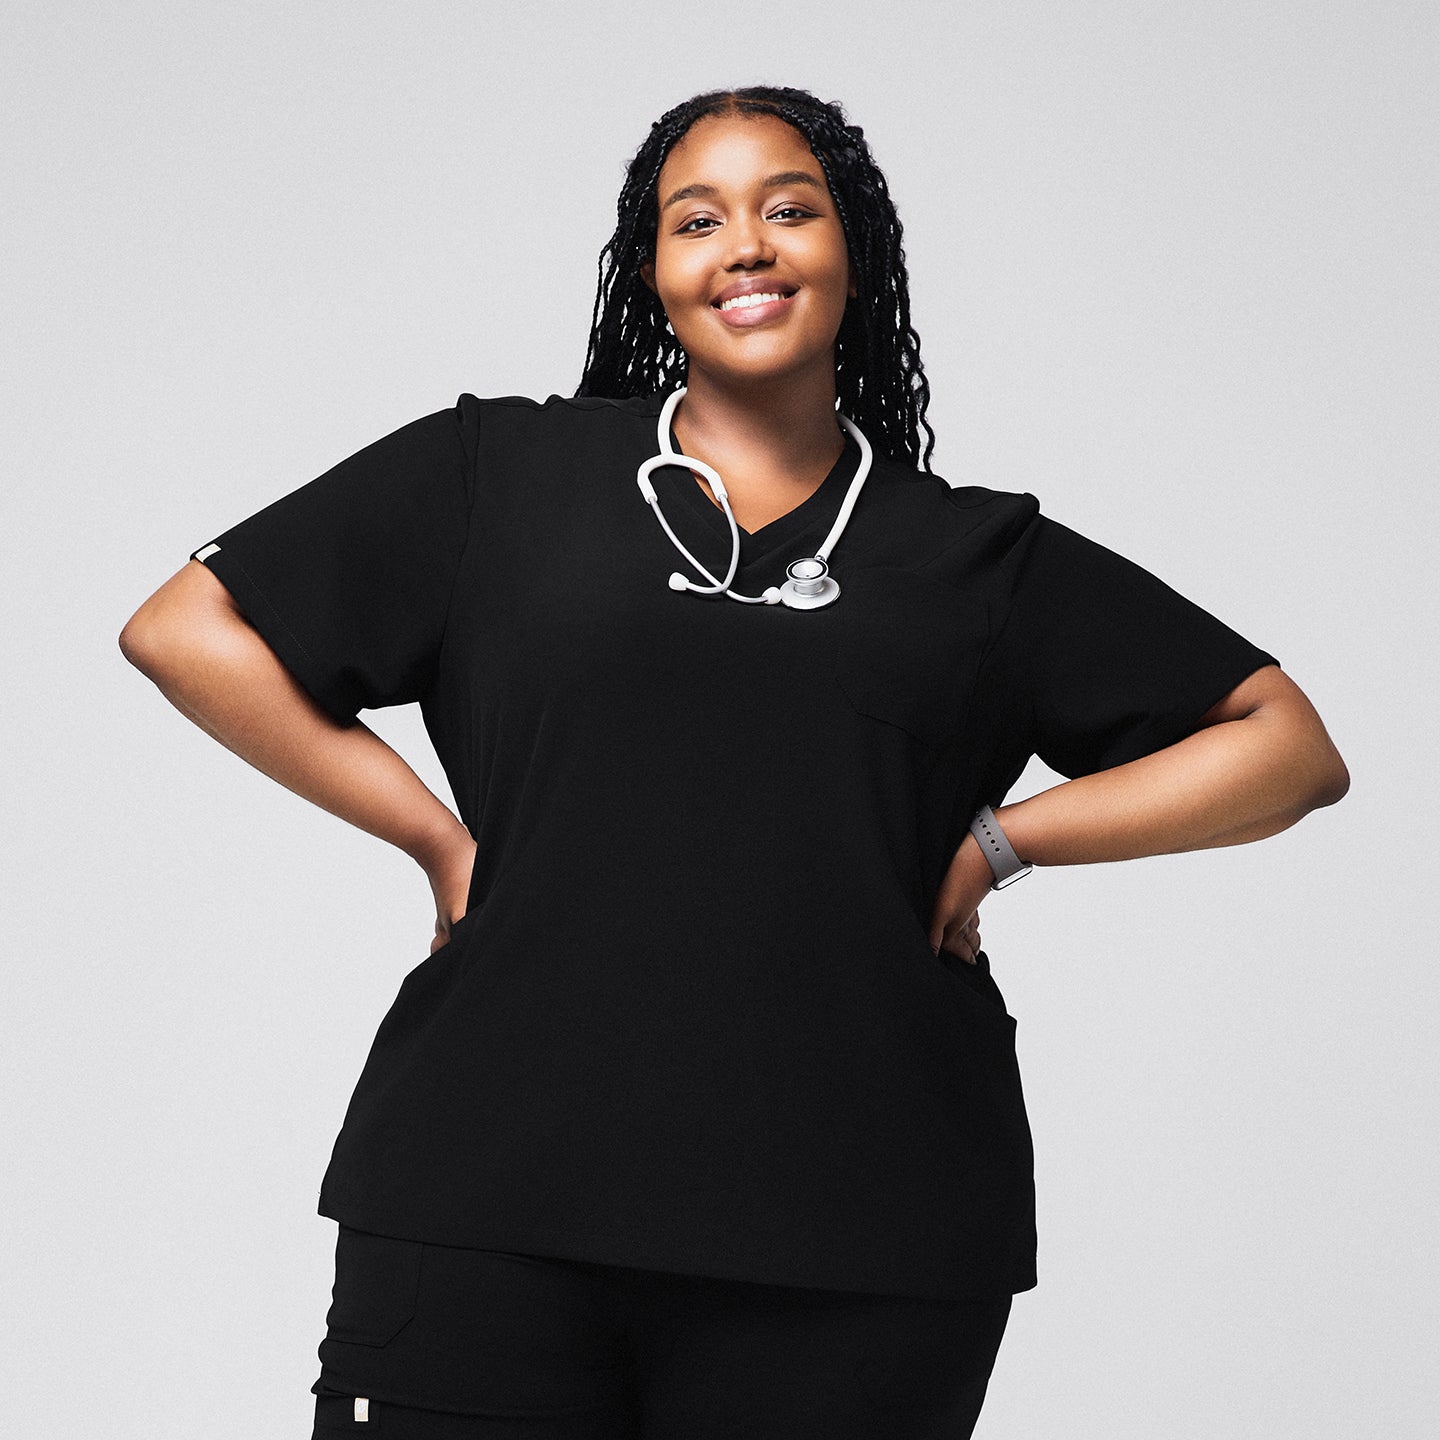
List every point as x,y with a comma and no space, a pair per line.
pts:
744,302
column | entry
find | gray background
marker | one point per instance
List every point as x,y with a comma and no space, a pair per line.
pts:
1174,270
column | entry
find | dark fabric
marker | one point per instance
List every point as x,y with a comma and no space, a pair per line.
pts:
1109,662
349,577
691,1020
496,1344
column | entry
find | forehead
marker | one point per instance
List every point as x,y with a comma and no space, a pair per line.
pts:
736,151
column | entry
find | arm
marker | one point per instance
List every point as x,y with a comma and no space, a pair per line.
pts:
1260,761
191,639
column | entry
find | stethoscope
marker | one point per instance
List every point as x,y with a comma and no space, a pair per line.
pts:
808,584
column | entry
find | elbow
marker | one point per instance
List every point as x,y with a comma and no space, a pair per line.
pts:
179,617
1320,776
1316,777
1332,780
149,641
138,644
1303,747
157,640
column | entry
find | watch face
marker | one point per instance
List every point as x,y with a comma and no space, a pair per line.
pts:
1011,879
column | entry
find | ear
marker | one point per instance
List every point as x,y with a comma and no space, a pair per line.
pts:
647,274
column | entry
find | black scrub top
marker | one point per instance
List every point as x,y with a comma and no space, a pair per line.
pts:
690,1020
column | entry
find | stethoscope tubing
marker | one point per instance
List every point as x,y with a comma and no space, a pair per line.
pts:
659,462
670,456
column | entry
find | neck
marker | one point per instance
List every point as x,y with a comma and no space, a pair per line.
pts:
784,428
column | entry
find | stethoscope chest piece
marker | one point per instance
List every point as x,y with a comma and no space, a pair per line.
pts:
808,585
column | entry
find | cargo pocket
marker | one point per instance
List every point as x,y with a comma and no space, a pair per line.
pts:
377,1281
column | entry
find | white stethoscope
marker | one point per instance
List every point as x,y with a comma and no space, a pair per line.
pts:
808,585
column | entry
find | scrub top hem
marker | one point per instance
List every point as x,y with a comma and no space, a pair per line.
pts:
621,1251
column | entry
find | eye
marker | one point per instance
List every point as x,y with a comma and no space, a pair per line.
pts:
792,212
688,228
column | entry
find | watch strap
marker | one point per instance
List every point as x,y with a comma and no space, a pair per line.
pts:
1005,864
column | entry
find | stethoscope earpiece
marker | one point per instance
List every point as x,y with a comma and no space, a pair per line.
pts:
807,585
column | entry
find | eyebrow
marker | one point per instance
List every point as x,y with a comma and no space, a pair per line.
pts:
709,192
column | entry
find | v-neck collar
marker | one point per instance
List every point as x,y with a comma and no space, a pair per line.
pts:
821,505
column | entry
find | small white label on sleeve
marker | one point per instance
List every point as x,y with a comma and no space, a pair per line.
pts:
362,1408
206,553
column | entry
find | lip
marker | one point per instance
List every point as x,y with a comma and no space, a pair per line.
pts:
753,285
745,316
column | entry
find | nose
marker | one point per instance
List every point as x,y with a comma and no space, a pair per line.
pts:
750,245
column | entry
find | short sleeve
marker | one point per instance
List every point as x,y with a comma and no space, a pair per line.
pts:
1105,661
349,577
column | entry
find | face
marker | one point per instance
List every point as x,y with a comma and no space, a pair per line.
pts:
750,260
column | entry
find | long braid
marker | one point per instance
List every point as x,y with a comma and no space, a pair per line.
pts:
880,380
631,351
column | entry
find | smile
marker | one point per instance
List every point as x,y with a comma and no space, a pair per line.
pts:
763,297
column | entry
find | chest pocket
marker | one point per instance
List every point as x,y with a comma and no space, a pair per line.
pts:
908,648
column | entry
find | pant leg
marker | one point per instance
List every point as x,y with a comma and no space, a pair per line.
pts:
720,1359
448,1344
927,1366
462,1344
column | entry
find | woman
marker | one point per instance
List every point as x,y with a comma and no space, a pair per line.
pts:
702,1117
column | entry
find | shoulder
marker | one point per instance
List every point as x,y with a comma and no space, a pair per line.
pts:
559,409
487,421
923,492
564,404
926,510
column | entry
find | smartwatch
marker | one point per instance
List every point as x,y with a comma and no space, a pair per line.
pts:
1006,865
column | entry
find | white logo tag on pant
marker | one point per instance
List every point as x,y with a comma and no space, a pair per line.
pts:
362,1408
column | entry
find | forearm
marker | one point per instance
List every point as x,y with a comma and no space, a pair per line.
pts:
1235,781
220,673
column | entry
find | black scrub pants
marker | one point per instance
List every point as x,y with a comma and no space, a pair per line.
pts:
428,1342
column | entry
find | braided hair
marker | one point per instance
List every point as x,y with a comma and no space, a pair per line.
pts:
879,379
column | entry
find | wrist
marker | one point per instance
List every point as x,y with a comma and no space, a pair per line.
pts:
432,846
977,867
